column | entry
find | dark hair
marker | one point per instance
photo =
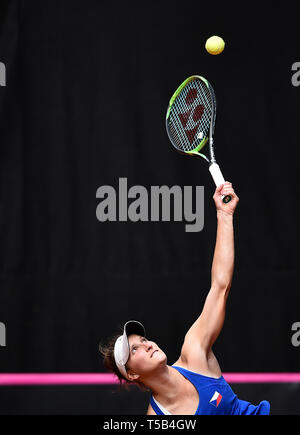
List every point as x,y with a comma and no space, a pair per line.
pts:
107,351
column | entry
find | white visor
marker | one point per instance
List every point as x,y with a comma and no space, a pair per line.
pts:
122,349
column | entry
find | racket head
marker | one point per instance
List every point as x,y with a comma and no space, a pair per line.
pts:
191,115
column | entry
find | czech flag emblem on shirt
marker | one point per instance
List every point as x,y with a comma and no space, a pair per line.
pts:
216,399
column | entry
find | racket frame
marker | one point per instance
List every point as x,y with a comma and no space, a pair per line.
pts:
213,166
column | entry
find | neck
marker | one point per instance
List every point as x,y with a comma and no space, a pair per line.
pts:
165,384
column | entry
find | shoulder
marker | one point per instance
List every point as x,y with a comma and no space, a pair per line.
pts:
181,362
150,410
200,362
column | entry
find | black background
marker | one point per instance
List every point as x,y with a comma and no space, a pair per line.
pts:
88,84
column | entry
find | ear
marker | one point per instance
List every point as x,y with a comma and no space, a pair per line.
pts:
132,376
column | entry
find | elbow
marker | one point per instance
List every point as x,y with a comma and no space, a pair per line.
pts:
222,286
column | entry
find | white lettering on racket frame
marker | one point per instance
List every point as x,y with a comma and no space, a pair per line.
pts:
2,74
182,203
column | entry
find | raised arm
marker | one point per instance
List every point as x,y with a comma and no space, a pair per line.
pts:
203,333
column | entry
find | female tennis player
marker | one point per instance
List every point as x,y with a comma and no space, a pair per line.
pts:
194,383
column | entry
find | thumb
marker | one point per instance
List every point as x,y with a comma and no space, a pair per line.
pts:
219,188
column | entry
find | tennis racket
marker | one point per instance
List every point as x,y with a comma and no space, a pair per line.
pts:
190,123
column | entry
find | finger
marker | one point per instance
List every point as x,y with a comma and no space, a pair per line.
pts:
228,192
227,189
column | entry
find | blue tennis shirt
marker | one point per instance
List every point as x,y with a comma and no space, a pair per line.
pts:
217,398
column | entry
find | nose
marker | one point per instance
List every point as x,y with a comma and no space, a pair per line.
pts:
148,347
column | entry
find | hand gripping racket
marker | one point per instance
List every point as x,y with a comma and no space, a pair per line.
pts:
190,122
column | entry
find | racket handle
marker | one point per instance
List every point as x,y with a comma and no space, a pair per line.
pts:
216,173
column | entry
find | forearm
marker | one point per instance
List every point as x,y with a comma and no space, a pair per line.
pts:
223,260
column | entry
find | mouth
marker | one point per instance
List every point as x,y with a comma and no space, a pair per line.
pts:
154,353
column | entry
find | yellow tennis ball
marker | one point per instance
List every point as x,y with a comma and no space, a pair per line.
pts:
215,45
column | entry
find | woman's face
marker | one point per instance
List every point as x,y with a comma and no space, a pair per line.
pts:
145,356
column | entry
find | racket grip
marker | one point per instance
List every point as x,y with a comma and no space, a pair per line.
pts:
218,178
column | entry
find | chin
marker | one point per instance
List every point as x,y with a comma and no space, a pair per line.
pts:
163,357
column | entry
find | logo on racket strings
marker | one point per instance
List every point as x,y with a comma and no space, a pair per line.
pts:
191,118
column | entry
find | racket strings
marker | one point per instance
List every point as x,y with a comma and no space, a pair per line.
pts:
190,116
188,134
